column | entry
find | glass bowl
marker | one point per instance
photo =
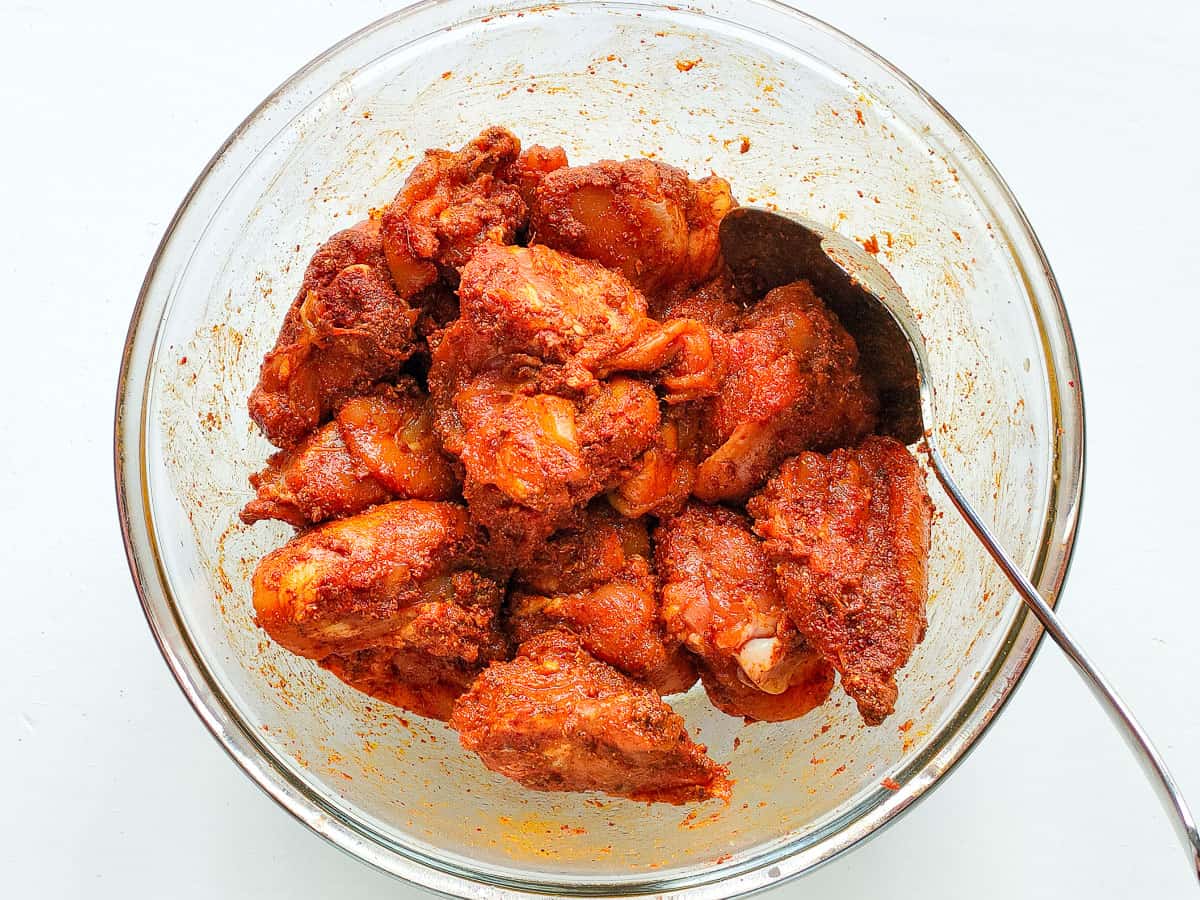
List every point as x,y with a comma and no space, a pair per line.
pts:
793,113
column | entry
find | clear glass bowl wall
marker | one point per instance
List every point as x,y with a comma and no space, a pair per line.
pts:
793,114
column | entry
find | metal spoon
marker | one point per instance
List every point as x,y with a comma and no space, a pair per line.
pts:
766,249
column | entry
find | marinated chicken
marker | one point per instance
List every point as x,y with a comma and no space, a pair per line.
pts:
425,665
541,450
557,719
579,319
529,393
595,580
391,430
717,304
642,218
340,337
319,479
380,447
808,687
358,582
527,172
721,600
849,535
660,481
530,459
793,385
452,203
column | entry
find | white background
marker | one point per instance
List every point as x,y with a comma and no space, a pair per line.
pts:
112,788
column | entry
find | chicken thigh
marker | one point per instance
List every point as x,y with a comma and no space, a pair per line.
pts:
425,665
849,536
639,217
581,320
360,582
451,204
380,446
720,598
793,385
661,479
531,459
317,480
595,580
345,334
557,719
528,170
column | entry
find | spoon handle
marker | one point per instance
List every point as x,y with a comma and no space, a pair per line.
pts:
1137,739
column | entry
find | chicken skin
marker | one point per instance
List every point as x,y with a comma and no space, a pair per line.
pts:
849,536
360,582
380,447
531,459
595,580
721,600
717,304
319,479
793,385
391,430
661,479
345,335
644,219
557,719
425,665
809,687
451,204
527,172
581,320
664,477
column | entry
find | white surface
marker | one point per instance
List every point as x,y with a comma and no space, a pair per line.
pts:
112,786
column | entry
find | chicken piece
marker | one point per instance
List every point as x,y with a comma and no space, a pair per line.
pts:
434,657
618,422
721,600
557,719
319,479
808,687
594,550
849,535
526,390
529,169
690,360
717,304
408,679
451,204
391,431
438,306
594,579
642,218
380,447
345,335
793,385
356,583
616,620
564,311
531,459
662,478
579,319
720,597
360,244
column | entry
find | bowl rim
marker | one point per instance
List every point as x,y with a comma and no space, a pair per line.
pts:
1023,639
